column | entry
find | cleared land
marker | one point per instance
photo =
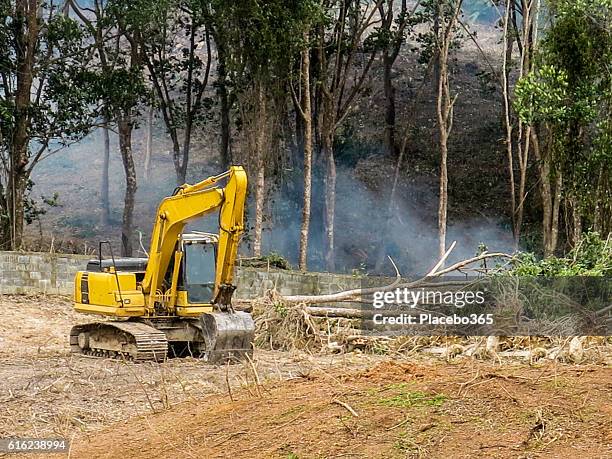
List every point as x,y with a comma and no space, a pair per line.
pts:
303,406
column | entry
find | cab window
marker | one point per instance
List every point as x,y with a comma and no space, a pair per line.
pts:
199,279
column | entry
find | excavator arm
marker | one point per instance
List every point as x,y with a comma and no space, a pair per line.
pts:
190,202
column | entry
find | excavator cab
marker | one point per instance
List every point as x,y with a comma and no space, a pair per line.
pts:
198,266
178,297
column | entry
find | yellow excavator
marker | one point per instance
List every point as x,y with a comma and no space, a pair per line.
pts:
179,299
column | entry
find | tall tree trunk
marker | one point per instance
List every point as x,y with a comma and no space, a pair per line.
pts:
124,124
327,149
5,222
436,55
16,190
389,105
576,220
526,39
554,225
400,19
443,197
343,48
260,192
25,23
306,113
386,227
260,183
445,117
551,197
176,158
149,144
602,219
186,150
225,147
299,128
508,46
104,198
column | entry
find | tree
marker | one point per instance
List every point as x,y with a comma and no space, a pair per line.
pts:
124,97
449,14
392,35
119,88
97,28
104,187
175,45
565,100
518,141
579,44
260,41
43,100
149,144
303,104
338,49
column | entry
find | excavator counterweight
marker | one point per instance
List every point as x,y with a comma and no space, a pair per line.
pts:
178,300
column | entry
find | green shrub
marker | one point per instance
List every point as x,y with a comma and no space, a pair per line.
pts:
592,256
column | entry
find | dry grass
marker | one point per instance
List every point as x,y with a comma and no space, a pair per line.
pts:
46,391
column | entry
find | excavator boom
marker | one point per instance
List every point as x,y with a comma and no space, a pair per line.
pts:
188,203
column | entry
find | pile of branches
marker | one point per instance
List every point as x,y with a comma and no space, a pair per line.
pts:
299,322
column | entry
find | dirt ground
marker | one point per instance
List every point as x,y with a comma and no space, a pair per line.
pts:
290,405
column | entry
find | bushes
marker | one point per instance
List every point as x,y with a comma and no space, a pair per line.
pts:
591,257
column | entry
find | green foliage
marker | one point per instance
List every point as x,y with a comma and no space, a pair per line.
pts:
591,257
64,34
33,209
272,260
46,101
428,13
263,38
281,310
61,110
276,260
542,95
120,88
568,96
170,34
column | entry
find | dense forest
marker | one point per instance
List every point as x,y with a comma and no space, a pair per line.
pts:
368,128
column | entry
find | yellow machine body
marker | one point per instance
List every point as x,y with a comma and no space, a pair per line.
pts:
128,300
182,289
105,298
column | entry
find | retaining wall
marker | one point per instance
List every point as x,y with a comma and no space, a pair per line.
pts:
51,273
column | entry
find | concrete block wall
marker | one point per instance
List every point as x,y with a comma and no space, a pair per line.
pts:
39,272
253,282
54,274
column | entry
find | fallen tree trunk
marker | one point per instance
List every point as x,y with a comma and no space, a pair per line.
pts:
356,294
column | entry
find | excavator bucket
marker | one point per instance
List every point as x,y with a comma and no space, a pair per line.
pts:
227,336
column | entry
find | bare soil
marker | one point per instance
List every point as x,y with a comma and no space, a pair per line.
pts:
392,410
288,405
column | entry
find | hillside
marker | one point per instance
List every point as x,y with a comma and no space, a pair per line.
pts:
477,202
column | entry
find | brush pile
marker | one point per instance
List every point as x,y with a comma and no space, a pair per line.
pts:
282,326
301,322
